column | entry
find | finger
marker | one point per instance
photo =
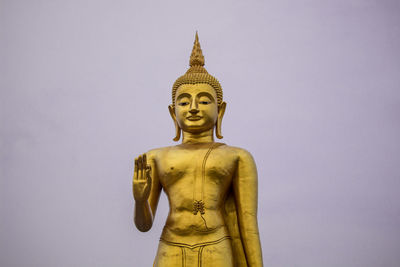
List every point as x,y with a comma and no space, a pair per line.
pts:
135,172
146,165
148,175
143,174
140,172
144,161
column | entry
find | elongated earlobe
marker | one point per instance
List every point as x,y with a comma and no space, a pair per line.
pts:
221,111
177,128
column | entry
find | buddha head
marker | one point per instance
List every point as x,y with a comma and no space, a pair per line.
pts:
197,104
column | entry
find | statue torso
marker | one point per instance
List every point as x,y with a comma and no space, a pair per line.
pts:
195,174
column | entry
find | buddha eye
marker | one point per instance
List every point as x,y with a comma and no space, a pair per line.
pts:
183,103
205,102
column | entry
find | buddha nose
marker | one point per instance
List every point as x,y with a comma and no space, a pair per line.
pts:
193,107
193,110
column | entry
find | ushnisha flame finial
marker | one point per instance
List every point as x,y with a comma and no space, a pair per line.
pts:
196,58
197,73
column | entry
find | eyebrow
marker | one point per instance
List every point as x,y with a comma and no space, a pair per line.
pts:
183,95
206,94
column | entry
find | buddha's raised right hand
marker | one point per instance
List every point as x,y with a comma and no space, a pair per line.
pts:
141,179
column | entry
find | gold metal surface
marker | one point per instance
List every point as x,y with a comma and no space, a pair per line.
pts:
211,187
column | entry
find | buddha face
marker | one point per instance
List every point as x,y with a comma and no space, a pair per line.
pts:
196,107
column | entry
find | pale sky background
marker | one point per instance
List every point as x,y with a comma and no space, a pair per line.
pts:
313,92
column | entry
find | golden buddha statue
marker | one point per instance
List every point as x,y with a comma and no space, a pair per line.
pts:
211,187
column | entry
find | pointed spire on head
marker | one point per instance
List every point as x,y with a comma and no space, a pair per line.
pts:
197,73
196,58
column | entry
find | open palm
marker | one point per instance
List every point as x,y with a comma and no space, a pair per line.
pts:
141,179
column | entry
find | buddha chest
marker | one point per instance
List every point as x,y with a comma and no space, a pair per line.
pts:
194,175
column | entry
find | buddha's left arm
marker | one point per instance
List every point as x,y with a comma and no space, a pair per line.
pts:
246,195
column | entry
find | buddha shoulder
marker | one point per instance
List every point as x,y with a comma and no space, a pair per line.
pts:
157,153
239,153
161,152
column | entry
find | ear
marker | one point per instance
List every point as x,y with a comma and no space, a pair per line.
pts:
221,111
171,109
